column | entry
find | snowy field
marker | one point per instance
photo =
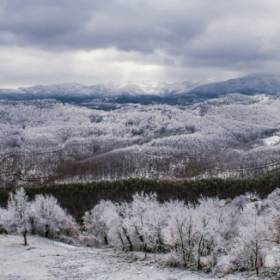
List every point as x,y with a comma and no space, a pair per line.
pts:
46,259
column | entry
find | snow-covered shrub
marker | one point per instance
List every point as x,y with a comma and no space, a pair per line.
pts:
89,241
225,266
173,259
95,118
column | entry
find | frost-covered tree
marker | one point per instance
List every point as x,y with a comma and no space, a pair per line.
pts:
270,207
148,219
131,226
179,233
18,214
273,200
49,219
206,217
99,220
252,241
123,226
154,222
217,235
229,218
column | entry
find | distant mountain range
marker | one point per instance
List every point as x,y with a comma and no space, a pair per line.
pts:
112,94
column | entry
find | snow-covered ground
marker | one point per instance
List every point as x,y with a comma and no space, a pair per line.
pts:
46,259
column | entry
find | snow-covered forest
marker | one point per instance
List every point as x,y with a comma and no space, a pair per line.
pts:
46,141
217,236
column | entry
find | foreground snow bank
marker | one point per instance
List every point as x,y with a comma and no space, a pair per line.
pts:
46,259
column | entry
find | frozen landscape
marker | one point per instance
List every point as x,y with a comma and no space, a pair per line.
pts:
139,140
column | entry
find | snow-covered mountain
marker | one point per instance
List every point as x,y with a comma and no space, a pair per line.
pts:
185,93
130,92
109,90
248,85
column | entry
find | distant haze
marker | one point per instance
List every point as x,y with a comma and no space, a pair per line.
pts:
91,42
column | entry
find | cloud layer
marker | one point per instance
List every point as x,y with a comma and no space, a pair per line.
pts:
113,40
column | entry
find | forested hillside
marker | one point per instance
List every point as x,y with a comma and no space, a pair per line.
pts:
47,141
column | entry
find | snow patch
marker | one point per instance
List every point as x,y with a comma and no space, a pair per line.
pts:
271,141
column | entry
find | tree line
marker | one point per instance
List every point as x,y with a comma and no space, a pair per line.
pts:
81,197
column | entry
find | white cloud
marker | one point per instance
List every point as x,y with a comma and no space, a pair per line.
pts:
26,67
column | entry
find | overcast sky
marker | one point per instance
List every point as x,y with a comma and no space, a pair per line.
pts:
99,41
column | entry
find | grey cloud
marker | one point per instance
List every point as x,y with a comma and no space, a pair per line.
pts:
42,22
127,25
200,33
227,54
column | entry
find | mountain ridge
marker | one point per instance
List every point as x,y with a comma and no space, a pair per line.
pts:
185,93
